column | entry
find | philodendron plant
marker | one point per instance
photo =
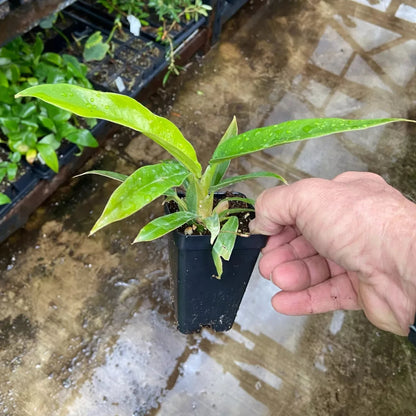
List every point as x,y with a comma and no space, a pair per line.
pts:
147,183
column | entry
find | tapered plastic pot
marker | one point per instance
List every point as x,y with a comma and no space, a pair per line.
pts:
200,299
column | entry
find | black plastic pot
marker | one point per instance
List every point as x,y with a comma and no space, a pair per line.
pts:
202,300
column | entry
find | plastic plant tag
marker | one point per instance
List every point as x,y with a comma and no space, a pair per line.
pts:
135,25
120,84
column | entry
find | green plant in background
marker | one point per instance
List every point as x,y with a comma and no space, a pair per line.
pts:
49,23
170,13
125,8
96,48
30,128
162,179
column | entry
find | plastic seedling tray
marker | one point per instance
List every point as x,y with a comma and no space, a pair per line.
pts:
182,30
17,190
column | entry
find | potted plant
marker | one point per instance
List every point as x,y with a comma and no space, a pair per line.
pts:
200,220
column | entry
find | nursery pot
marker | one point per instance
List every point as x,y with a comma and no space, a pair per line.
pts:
201,299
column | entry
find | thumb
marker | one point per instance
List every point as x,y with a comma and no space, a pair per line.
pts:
272,211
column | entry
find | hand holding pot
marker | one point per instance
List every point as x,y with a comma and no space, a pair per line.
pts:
346,243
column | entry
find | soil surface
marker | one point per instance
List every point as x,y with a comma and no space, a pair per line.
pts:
244,217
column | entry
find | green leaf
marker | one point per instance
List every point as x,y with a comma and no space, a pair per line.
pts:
164,225
78,69
221,168
191,197
290,131
142,187
57,114
112,175
119,109
224,244
15,157
27,110
224,214
10,123
82,137
55,75
95,49
51,140
13,73
48,155
52,58
12,171
213,225
4,199
48,22
37,48
3,80
47,123
6,95
240,178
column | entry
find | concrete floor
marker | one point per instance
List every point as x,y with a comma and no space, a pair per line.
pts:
86,324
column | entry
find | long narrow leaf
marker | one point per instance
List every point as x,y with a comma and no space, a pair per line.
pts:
290,131
107,174
139,189
221,168
163,225
119,109
224,244
240,178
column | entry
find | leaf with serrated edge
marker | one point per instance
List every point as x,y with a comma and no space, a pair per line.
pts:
163,225
139,189
224,244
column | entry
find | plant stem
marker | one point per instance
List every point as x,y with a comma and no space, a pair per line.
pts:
204,197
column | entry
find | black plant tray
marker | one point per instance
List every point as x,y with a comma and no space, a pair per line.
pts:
231,7
17,190
181,31
133,63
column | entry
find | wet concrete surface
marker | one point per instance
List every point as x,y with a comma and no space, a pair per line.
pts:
86,323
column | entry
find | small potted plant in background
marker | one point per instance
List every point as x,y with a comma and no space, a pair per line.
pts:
210,279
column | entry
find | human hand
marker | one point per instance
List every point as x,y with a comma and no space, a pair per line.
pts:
346,243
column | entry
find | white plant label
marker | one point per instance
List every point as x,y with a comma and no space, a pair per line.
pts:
120,84
135,24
